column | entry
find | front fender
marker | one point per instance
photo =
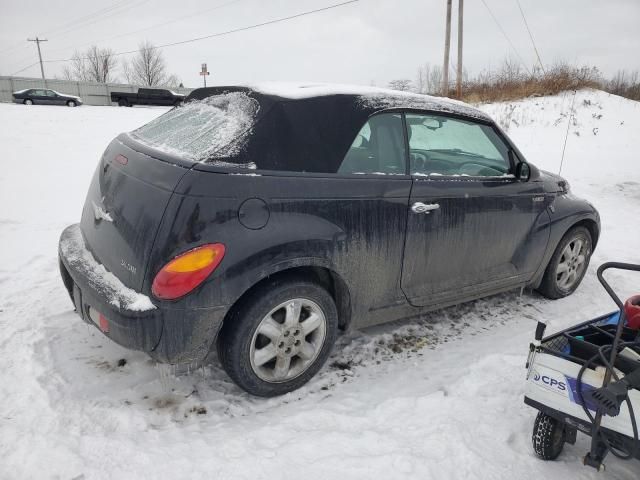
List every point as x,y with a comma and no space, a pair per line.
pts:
565,212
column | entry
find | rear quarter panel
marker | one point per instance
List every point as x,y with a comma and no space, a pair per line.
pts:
354,227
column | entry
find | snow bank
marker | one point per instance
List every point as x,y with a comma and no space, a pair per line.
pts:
73,249
200,130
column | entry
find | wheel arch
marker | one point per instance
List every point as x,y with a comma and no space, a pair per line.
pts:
322,275
587,222
591,226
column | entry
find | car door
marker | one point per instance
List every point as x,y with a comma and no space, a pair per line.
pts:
39,97
55,99
366,199
164,97
155,97
472,227
142,97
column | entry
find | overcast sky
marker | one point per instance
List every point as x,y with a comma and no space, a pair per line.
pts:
369,41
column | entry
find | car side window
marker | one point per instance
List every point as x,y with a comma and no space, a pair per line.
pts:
38,93
378,148
440,145
50,93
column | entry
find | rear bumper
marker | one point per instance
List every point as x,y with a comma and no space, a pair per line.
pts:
167,334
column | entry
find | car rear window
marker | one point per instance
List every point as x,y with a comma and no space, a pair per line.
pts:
203,130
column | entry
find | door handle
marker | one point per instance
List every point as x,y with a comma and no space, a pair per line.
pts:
420,207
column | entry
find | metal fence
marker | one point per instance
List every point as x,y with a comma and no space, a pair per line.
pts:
91,93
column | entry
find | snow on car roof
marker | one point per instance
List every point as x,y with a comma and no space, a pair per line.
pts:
374,97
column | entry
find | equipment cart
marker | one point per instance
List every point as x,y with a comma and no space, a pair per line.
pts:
587,378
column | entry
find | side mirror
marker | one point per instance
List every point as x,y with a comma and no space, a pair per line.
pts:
523,172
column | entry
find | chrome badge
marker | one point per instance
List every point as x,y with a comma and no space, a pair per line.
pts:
100,213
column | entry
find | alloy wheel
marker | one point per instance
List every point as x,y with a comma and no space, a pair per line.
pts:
288,340
573,262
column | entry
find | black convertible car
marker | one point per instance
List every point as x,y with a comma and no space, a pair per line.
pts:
43,96
259,222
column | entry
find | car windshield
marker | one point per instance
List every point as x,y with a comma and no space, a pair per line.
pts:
202,130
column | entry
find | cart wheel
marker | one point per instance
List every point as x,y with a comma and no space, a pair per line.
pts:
548,437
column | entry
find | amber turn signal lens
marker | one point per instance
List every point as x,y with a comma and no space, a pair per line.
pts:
186,271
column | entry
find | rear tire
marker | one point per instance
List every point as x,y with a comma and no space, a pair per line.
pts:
28,101
548,437
279,337
568,265
122,102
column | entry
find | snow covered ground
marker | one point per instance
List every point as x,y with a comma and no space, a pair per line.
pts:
439,397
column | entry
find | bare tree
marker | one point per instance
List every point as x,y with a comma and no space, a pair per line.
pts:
148,67
626,84
429,79
101,63
94,65
403,85
172,81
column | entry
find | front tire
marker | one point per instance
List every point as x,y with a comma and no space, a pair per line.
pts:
568,264
279,338
548,437
71,103
28,101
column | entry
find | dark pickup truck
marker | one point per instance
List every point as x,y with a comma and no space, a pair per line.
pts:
147,96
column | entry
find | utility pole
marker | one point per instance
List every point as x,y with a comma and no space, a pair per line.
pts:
459,77
38,40
447,44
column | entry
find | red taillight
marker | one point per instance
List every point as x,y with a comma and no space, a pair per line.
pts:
99,319
121,159
186,271
103,323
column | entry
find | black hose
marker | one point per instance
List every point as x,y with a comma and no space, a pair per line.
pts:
636,441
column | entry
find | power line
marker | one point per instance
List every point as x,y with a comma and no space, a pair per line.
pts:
73,23
531,36
13,47
220,34
23,69
152,26
116,11
88,17
507,37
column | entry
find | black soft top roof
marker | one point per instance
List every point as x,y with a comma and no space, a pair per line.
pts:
309,127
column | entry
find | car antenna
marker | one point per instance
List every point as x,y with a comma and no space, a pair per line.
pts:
566,136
